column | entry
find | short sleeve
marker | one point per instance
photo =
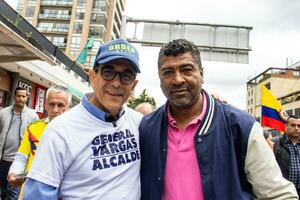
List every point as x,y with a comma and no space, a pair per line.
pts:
52,158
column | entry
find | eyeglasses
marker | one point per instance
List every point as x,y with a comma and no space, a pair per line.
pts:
108,74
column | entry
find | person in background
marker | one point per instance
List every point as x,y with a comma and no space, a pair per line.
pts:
144,108
269,138
58,100
287,151
13,121
92,151
196,148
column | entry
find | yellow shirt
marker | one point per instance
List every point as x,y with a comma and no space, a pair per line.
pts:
31,139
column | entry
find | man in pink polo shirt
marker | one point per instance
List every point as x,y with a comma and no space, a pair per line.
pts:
196,148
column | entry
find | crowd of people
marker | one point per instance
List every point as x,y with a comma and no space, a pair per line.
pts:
193,147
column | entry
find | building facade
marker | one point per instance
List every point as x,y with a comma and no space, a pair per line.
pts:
284,84
29,60
70,23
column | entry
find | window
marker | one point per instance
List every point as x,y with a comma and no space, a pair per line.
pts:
116,32
74,52
90,60
29,11
96,46
287,100
75,42
96,31
296,73
81,2
79,13
59,41
77,27
289,112
297,112
100,5
32,2
98,18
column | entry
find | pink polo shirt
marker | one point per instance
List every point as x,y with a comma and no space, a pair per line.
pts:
182,179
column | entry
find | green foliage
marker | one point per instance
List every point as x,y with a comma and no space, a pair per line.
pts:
134,101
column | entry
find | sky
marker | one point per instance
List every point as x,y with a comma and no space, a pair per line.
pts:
274,38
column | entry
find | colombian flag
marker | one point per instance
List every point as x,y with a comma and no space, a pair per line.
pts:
270,109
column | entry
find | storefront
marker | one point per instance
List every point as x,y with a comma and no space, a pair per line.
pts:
5,82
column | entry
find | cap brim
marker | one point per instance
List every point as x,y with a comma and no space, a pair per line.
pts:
112,58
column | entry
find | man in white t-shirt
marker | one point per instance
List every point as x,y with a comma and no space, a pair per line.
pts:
92,150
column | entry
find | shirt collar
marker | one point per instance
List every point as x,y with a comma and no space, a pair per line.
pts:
97,112
287,139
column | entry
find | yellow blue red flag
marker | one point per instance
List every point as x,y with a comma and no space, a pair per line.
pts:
270,109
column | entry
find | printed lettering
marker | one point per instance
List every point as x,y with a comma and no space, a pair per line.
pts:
105,163
114,148
96,150
128,160
128,145
116,136
97,165
133,142
96,141
121,160
104,150
133,156
113,161
122,146
129,133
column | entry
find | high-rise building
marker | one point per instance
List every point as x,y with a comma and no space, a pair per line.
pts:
284,84
70,23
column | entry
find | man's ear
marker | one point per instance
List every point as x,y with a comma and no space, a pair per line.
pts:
202,73
92,74
135,82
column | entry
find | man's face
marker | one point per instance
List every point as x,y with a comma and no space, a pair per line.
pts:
110,95
20,98
180,80
292,128
56,104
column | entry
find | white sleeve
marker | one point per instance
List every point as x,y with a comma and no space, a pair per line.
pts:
52,158
19,164
263,171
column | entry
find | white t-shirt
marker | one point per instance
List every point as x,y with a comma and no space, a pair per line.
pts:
87,158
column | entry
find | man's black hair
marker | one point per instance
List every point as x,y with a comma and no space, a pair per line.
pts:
20,88
178,47
291,116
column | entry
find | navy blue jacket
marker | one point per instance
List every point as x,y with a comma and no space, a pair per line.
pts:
221,146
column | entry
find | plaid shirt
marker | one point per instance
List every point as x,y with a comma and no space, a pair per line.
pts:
294,170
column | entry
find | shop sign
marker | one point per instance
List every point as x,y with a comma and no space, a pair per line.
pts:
40,99
27,86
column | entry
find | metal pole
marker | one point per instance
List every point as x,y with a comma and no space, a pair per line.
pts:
123,27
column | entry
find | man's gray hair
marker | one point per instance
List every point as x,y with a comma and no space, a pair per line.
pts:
59,89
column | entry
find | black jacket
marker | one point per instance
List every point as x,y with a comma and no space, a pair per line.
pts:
283,156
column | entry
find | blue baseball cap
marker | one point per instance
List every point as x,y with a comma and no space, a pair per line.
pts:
117,49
